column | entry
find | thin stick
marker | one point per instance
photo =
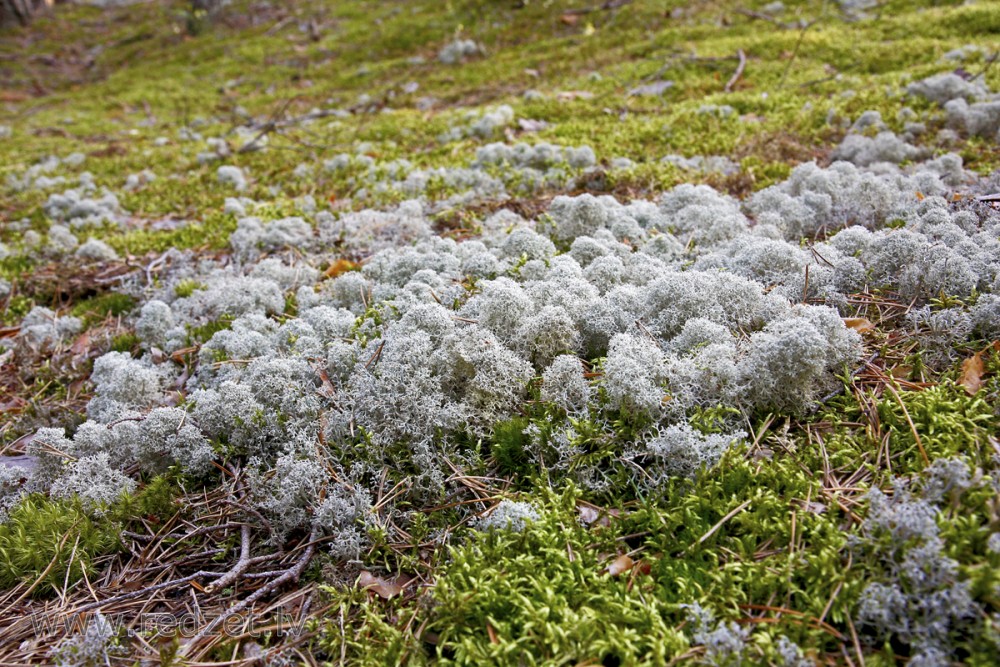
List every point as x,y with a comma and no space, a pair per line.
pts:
717,526
609,4
760,16
913,429
738,73
989,63
290,575
241,565
147,590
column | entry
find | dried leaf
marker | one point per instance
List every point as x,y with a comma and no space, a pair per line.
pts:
178,355
972,373
814,507
15,404
339,267
25,462
620,565
901,372
591,515
81,345
384,588
588,514
570,19
859,324
13,95
493,634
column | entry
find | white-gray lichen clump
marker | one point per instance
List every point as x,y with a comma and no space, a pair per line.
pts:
95,644
647,309
232,176
509,515
459,51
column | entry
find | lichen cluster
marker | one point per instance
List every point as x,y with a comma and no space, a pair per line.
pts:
540,377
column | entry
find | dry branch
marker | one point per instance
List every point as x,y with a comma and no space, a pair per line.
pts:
739,71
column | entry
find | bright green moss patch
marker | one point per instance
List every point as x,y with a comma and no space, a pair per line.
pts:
49,543
156,501
98,308
745,535
947,420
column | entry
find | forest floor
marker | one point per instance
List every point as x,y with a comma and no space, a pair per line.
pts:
400,509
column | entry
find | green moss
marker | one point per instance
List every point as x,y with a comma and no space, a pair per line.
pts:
202,333
97,309
51,543
127,342
156,502
763,529
508,448
186,288
743,534
947,420
18,306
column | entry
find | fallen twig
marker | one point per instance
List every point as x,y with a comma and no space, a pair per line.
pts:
739,71
760,16
290,575
241,565
986,67
711,531
145,591
609,4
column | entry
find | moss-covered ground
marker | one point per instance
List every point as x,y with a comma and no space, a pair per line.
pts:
768,540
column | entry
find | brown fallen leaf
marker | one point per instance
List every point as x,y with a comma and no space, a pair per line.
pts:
13,96
620,565
384,588
972,373
588,514
14,405
81,345
859,324
178,355
339,267
493,634
592,515
570,19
